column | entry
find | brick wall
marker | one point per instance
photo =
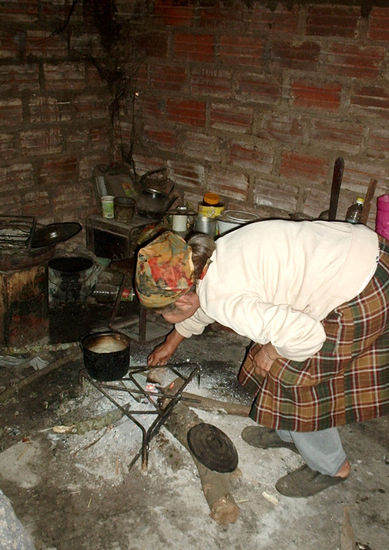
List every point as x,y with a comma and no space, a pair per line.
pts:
257,103
54,121
252,102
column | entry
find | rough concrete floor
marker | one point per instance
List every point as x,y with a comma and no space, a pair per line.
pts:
74,491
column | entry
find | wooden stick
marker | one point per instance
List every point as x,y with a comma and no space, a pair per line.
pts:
201,402
368,198
209,404
215,485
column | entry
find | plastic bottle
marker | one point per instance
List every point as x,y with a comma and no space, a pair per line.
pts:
354,212
211,199
210,205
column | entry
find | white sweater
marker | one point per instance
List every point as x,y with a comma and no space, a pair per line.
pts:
274,281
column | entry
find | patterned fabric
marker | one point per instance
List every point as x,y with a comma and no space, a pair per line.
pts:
346,381
164,270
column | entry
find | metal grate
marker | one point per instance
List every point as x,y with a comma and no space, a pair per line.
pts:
16,231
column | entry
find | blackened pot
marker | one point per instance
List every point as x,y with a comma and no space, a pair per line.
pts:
106,355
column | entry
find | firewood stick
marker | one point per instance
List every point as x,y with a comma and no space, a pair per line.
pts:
201,402
209,404
215,485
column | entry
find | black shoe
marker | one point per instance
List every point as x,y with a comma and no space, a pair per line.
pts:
263,438
305,482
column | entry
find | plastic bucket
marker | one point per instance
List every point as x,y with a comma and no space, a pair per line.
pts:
71,278
382,216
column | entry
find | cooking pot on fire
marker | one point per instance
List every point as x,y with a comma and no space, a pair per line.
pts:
106,355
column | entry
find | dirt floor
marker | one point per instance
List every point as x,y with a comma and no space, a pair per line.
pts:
74,490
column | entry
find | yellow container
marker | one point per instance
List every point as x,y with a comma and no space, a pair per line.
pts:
210,211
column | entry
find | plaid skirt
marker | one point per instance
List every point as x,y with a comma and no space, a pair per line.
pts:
346,381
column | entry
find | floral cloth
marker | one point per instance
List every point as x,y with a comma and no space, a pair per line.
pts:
164,270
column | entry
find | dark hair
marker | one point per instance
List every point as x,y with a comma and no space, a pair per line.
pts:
202,246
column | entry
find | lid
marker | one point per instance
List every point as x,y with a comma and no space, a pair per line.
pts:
54,233
238,216
360,200
211,198
213,448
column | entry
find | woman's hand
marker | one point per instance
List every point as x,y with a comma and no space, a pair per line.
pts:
162,353
263,359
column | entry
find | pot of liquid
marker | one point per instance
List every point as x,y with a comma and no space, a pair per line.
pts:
106,355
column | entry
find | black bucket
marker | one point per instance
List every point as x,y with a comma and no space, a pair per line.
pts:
71,278
106,355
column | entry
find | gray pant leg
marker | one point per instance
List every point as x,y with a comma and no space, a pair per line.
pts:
322,450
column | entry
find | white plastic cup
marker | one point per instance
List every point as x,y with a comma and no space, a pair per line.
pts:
107,206
179,222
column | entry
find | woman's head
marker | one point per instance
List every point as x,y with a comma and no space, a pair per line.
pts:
168,268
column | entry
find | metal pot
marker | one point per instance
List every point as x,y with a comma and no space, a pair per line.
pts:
106,355
152,201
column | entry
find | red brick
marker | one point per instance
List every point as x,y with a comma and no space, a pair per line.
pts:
355,61
7,146
228,183
161,138
16,177
372,99
153,44
186,174
304,56
49,109
282,127
58,171
201,146
90,107
240,50
147,162
21,11
280,20
257,88
87,43
64,76
253,157
59,9
326,96
306,167
194,47
175,13
11,112
17,78
41,142
358,174
78,138
186,111
89,161
378,143
10,44
168,77
43,44
148,107
332,20
379,24
231,117
335,135
211,82
98,137
214,17
93,78
317,199
267,192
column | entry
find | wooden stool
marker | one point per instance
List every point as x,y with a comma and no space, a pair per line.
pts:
126,268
